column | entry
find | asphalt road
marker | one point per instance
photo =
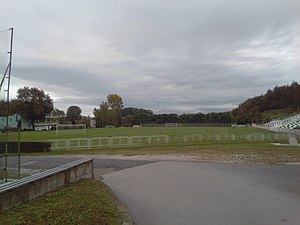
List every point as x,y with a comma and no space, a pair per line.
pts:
189,193
39,163
195,193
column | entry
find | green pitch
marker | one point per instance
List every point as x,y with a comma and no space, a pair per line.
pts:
41,136
210,149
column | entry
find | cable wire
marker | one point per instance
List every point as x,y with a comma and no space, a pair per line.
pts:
4,30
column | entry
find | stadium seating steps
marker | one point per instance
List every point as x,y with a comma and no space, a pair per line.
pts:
292,122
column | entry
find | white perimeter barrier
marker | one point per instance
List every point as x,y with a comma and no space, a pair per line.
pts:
124,141
96,142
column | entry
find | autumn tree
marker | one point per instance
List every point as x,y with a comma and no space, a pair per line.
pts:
74,113
102,114
285,97
13,107
109,112
33,104
3,108
57,112
132,116
85,120
115,104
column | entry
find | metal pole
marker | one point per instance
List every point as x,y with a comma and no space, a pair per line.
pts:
7,99
19,152
10,62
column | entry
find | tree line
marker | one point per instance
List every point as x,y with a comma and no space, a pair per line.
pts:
143,116
250,111
281,97
34,104
112,112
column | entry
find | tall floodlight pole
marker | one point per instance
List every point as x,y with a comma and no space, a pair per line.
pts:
7,99
9,70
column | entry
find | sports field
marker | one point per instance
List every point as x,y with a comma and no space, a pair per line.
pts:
241,150
41,136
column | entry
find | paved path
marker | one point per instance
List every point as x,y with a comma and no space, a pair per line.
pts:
189,193
102,164
194,193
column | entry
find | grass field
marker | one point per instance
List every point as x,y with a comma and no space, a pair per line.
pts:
237,151
40,136
86,202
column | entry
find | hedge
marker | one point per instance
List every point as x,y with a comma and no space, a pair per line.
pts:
25,147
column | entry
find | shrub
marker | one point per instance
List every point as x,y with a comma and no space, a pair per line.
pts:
26,147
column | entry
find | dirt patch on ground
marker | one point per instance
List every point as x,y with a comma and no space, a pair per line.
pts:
176,157
209,156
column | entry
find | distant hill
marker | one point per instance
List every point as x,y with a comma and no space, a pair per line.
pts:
274,104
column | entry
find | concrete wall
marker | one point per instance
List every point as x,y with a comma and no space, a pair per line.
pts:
31,187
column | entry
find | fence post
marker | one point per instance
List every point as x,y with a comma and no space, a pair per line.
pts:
89,143
184,138
110,141
129,141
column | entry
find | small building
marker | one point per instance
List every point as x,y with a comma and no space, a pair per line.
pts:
13,122
49,122
54,119
92,123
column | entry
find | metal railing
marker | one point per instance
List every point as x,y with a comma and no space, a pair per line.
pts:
15,192
97,142
26,180
126,141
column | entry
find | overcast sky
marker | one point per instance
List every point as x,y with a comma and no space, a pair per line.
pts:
164,55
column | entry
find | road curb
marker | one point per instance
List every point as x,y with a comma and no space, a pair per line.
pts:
126,218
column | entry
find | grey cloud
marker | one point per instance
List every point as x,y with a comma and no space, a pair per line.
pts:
169,56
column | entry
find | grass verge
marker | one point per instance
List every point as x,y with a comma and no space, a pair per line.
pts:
260,152
86,202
